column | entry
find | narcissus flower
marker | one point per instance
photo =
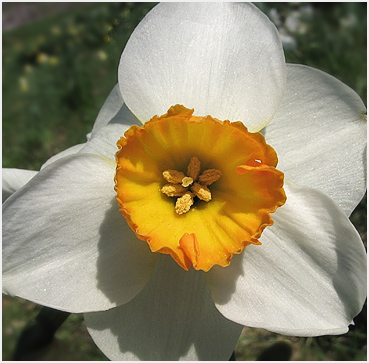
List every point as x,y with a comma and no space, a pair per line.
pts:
173,233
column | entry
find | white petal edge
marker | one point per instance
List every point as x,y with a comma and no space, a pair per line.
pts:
173,318
308,278
70,151
109,109
65,243
104,140
113,111
222,59
14,179
319,134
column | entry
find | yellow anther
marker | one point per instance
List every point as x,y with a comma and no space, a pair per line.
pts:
209,176
193,169
173,176
186,187
173,190
184,203
187,181
201,192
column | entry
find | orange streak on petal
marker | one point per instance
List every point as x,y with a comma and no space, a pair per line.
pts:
189,245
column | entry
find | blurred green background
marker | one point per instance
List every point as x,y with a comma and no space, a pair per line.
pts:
60,63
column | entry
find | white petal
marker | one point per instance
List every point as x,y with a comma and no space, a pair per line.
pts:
103,140
109,109
173,318
307,278
222,59
319,134
114,111
70,151
14,179
65,243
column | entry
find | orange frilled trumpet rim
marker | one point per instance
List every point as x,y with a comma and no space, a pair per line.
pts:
212,230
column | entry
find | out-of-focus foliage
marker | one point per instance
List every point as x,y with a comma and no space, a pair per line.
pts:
57,74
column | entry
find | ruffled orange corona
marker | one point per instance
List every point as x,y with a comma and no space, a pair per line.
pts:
197,188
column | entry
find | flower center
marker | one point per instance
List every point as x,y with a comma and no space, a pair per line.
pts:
151,170
189,186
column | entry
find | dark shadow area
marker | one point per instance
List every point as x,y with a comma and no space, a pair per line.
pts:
347,284
173,314
125,263
222,280
39,334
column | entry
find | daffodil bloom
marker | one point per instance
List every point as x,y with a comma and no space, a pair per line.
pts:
177,222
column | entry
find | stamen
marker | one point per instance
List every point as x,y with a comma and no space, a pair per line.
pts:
193,169
209,176
179,185
173,176
201,192
173,190
184,203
